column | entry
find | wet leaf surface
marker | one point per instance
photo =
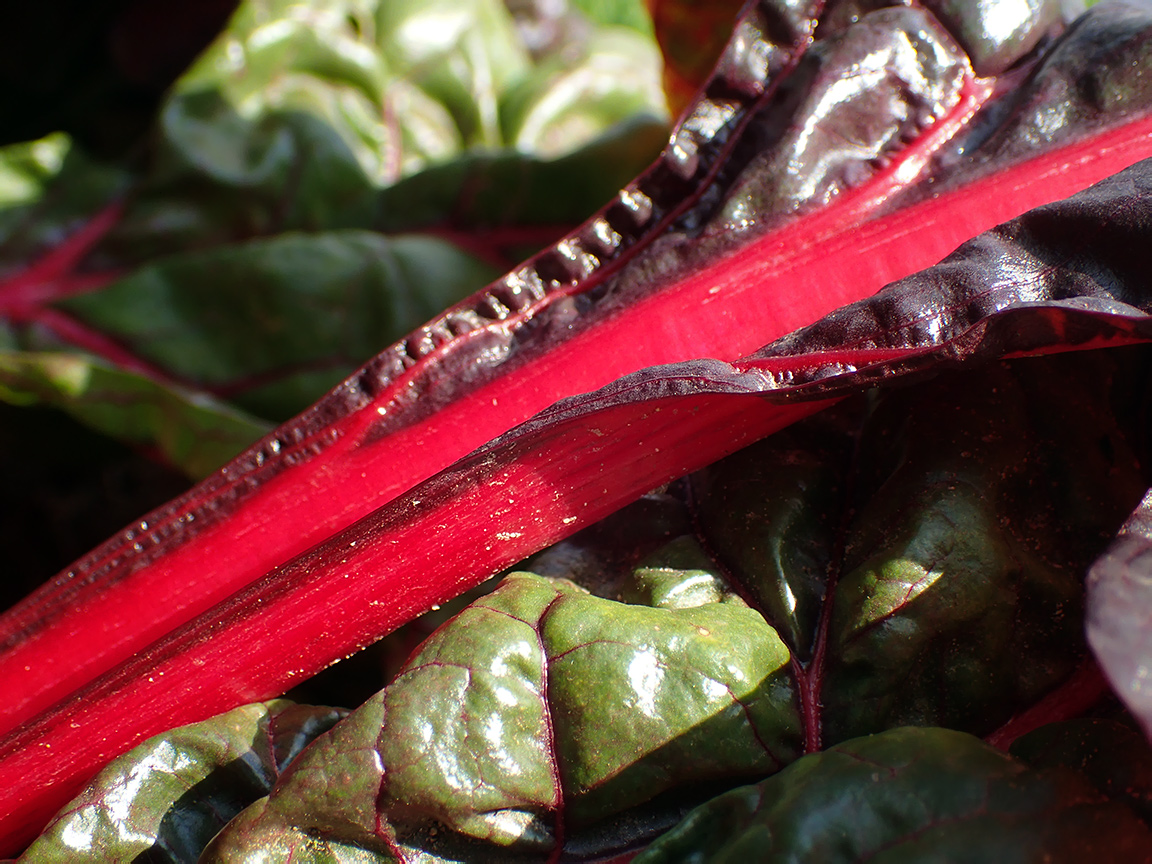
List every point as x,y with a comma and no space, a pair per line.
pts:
165,800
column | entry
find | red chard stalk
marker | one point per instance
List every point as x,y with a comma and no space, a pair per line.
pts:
858,197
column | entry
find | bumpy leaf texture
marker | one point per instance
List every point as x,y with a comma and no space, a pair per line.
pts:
301,118
909,557
243,256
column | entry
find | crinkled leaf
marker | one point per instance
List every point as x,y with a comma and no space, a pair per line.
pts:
507,190
564,104
539,710
298,113
463,53
164,800
446,524
973,543
322,59
220,176
194,432
294,120
1082,82
409,84
1106,315
909,795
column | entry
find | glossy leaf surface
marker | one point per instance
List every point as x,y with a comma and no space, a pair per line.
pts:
424,395
164,800
909,795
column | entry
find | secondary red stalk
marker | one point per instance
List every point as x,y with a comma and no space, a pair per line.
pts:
525,491
564,469
327,469
1071,699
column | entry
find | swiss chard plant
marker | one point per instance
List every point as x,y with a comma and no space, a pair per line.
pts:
814,463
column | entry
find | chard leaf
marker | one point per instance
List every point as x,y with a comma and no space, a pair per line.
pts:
164,800
297,119
536,119
909,795
509,198
962,320
970,544
540,710
623,13
192,431
276,323
409,84
27,168
998,295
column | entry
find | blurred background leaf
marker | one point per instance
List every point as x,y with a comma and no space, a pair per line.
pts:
297,183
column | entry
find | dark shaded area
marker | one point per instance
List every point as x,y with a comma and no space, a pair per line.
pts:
1114,757
96,69
851,804
196,816
63,489
353,680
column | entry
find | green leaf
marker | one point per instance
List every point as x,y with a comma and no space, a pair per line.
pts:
514,189
26,169
771,514
564,105
221,177
625,13
537,703
165,799
908,795
300,117
322,59
193,432
275,323
963,562
464,54
942,523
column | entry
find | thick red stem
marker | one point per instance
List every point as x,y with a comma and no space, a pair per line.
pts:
71,631
491,510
